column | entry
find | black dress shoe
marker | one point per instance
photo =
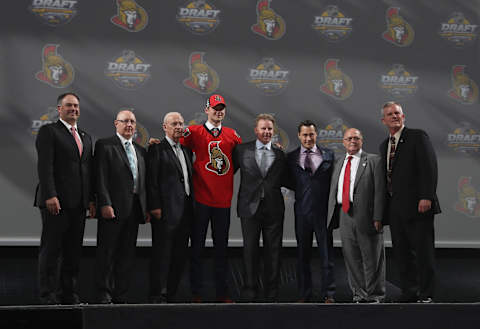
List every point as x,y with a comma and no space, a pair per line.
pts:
72,299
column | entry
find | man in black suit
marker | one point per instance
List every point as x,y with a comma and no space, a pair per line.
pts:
122,202
412,175
260,207
311,169
63,195
170,200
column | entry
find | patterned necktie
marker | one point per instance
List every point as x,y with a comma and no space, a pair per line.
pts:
346,186
390,164
215,132
77,140
308,164
131,161
263,161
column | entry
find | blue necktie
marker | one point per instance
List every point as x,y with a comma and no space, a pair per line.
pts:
131,161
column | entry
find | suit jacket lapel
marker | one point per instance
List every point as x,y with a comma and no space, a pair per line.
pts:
173,156
336,172
361,168
140,163
187,161
399,147
121,150
252,161
69,137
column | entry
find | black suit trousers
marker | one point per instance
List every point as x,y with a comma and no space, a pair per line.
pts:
271,228
62,238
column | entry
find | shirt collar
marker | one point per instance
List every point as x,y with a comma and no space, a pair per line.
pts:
313,149
210,126
124,140
69,126
398,134
356,155
259,145
171,141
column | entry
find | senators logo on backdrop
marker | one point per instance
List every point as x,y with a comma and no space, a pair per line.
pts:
54,12
199,16
468,202
203,79
219,163
465,139
337,84
128,70
130,16
398,32
56,71
332,135
333,24
399,82
50,116
269,76
464,90
458,30
269,24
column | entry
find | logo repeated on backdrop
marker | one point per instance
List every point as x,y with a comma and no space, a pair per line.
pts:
333,24
337,84
399,82
332,135
130,16
269,24
269,76
56,71
464,90
464,139
141,135
128,70
458,30
50,116
398,32
199,17
203,79
468,202
218,163
54,12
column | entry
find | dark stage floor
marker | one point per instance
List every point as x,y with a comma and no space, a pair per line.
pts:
458,278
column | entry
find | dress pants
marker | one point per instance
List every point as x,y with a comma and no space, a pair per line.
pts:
271,229
61,241
220,225
169,253
305,227
116,244
413,241
364,256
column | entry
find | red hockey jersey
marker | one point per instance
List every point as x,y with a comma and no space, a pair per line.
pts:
213,167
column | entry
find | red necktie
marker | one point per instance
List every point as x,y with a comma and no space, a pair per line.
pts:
346,186
77,140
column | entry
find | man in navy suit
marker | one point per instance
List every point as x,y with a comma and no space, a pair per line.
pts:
412,202
122,202
311,170
63,195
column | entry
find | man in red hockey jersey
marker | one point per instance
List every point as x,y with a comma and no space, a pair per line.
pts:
213,145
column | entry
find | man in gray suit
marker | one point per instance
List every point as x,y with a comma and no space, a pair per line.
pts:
356,205
260,207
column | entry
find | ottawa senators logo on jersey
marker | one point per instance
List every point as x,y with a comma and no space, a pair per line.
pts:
203,79
468,198
219,163
56,71
337,84
458,30
464,90
269,24
54,12
130,16
398,32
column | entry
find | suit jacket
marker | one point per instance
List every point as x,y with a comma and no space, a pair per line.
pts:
414,172
114,179
61,170
369,193
252,182
311,191
165,185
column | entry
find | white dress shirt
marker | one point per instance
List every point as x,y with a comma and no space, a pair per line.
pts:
353,173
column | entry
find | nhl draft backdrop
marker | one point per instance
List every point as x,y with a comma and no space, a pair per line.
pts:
331,61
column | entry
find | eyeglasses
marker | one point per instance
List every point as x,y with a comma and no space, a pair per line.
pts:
127,121
354,138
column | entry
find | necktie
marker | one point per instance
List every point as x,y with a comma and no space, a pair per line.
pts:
181,158
77,140
263,161
346,186
390,164
131,161
308,165
215,132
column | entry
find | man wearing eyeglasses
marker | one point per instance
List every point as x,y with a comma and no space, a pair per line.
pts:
356,205
121,200
213,146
